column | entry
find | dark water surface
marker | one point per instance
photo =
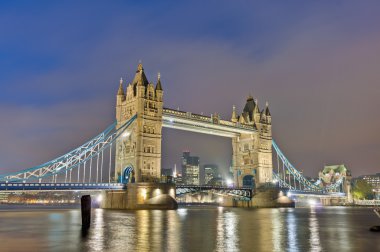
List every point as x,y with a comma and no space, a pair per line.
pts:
191,229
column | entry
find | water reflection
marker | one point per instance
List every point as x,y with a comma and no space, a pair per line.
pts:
173,239
277,230
143,226
191,229
97,240
227,231
291,224
315,243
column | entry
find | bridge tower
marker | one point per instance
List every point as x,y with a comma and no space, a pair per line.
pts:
252,153
140,147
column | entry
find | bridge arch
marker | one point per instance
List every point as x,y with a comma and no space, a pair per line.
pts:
127,175
249,181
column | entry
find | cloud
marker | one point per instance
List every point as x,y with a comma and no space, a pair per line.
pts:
318,70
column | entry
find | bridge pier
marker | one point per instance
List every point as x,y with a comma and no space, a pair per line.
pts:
141,196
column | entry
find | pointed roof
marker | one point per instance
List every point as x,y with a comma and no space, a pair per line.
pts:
249,106
140,78
159,86
256,109
121,89
267,113
233,116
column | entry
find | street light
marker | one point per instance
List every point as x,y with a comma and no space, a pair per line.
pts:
229,182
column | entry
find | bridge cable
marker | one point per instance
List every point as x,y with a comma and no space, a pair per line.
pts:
109,167
97,167
89,180
84,171
101,169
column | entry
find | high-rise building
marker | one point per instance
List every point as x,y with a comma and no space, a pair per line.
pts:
373,180
210,172
190,169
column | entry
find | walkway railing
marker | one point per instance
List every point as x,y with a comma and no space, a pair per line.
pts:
367,202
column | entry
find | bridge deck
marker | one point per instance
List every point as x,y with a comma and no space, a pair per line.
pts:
60,186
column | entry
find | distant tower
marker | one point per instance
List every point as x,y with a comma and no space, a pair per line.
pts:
252,153
140,148
190,169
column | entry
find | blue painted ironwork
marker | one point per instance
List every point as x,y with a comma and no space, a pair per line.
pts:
73,159
298,177
127,175
60,186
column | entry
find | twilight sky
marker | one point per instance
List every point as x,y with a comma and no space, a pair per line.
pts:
316,62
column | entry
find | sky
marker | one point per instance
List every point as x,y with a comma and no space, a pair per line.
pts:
317,63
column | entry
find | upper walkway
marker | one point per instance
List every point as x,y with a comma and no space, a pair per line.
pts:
203,124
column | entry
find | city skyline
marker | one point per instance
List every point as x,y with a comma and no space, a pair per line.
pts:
314,62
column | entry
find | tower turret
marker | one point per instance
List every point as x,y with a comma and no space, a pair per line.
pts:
234,117
159,91
120,98
267,114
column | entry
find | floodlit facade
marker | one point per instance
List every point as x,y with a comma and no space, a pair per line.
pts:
139,149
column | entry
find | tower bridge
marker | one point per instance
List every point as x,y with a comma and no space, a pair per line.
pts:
129,151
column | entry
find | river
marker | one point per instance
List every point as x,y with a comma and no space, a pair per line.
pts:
192,228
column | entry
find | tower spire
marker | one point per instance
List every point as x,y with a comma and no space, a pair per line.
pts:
233,117
121,89
158,85
267,113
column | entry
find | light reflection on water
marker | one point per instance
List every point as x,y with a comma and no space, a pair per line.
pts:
315,243
191,229
292,231
227,231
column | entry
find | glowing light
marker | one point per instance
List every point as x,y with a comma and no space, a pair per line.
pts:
229,182
182,212
126,134
99,198
172,193
143,193
157,192
289,194
312,202
171,120
275,181
220,199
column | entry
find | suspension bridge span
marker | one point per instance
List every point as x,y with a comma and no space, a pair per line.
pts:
129,152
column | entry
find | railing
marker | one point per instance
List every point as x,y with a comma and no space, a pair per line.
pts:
59,186
241,192
74,159
367,202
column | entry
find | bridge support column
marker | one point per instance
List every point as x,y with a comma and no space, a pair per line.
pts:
141,196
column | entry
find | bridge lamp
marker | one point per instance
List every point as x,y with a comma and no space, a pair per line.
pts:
158,191
172,193
143,193
99,198
229,182
312,202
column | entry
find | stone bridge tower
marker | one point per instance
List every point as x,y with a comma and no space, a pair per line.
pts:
140,147
252,153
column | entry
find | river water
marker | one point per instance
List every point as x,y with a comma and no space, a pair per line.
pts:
191,229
